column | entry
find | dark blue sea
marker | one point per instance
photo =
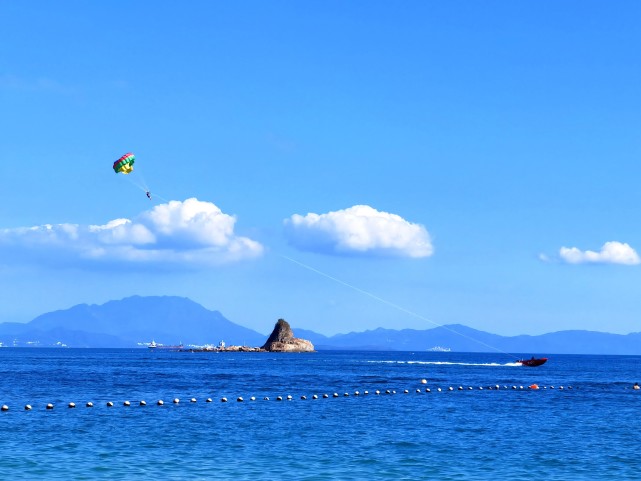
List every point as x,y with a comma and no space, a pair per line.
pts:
583,422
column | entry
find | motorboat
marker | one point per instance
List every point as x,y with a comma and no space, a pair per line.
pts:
533,362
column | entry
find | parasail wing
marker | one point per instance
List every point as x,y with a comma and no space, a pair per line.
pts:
125,164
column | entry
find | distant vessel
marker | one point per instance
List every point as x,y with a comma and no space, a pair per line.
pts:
439,349
155,345
533,362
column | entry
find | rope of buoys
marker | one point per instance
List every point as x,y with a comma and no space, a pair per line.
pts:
160,402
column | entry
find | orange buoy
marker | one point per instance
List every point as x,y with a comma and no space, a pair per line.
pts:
534,386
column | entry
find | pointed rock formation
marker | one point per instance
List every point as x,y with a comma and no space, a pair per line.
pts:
282,340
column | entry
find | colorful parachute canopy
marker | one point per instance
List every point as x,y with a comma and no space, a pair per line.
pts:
125,164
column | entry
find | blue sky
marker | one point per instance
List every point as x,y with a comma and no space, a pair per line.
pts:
342,165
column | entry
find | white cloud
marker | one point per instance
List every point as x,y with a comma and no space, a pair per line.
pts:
190,232
611,253
360,229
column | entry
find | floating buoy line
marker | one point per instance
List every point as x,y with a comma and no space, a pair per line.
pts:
423,390
289,397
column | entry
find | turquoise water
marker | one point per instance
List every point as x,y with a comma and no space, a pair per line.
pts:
588,431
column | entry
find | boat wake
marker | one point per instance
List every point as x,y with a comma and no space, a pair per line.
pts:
449,363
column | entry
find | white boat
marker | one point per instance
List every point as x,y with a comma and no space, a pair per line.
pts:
439,349
155,345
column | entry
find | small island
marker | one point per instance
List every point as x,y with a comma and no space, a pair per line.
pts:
280,340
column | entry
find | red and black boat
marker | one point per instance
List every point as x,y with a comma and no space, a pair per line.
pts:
533,362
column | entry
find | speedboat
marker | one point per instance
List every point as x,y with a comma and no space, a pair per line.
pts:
533,362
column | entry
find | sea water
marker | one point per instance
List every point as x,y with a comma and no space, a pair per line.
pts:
581,424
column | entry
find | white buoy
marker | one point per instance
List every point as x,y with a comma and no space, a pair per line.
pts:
423,381
72,405
561,387
335,394
497,387
418,391
460,388
387,391
252,398
89,404
480,388
265,398
193,400
377,392
470,388
176,400
356,393
405,391
109,404
49,406
27,407
513,387
366,393
126,403
520,387
450,388
325,396
438,389
303,398
289,397
346,394
279,398
143,403
314,396
427,389
223,400
5,407
160,402
208,400
240,399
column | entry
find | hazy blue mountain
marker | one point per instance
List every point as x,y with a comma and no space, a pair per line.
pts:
170,320
464,339
127,322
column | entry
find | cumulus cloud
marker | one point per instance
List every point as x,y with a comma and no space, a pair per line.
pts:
611,253
189,233
360,229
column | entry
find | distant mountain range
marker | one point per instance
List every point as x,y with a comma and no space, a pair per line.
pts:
134,321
